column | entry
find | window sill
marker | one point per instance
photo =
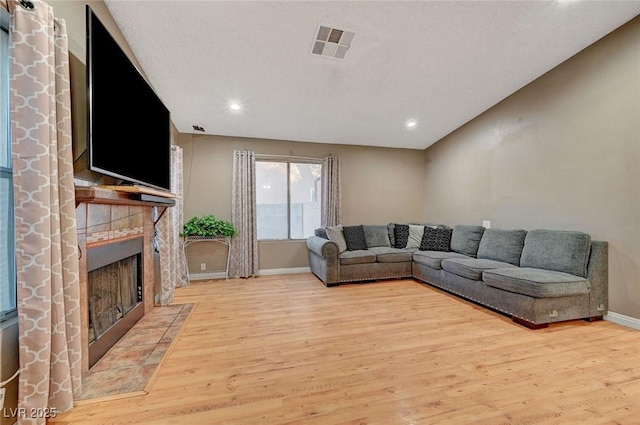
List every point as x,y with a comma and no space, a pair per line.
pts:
8,322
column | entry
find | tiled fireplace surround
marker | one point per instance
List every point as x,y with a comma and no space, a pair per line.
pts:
103,217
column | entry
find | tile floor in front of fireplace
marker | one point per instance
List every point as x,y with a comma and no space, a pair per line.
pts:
128,365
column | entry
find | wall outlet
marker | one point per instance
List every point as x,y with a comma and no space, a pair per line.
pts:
486,224
203,266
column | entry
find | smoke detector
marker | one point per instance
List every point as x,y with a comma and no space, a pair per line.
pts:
331,42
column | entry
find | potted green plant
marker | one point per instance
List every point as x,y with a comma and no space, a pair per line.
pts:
208,226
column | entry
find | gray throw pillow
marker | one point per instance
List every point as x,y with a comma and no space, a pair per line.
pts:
321,232
376,235
416,232
465,239
354,237
502,245
391,227
335,234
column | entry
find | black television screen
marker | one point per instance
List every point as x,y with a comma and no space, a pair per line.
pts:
128,126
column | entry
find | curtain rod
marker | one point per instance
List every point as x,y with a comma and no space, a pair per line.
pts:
302,158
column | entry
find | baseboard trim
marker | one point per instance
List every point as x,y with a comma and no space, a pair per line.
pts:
206,276
621,319
263,272
291,270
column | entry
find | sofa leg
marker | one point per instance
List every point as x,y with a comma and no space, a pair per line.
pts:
529,324
593,319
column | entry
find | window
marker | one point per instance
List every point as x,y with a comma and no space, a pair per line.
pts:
287,199
7,244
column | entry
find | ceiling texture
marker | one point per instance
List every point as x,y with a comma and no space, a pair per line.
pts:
439,63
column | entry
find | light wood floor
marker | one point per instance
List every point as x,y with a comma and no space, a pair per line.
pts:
287,350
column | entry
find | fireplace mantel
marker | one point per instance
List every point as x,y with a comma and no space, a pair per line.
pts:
123,195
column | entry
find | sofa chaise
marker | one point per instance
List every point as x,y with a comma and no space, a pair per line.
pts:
536,277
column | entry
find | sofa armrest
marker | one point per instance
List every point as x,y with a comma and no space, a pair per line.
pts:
324,259
322,247
598,275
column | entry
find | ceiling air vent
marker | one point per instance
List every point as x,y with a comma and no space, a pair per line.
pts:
331,42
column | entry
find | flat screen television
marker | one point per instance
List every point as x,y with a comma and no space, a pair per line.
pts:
128,126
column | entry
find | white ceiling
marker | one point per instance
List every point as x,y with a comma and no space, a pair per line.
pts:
441,63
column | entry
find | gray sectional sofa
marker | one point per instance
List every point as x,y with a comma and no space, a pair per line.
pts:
537,277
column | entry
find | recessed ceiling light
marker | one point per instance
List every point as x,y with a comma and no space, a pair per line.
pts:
235,106
411,123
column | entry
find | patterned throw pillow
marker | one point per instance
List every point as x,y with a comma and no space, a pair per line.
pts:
401,235
354,236
436,239
321,232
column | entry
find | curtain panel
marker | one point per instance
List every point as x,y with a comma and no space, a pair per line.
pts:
172,260
244,247
45,218
331,202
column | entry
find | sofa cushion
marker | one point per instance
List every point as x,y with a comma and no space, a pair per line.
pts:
415,236
435,239
401,235
321,232
433,259
536,283
376,235
335,234
357,257
390,255
354,237
502,245
471,268
465,239
558,250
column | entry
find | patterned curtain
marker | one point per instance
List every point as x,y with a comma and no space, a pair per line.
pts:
45,217
172,261
244,247
331,205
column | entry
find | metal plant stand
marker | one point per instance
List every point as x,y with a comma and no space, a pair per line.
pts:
190,240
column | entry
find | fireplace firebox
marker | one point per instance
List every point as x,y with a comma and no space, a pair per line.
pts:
115,293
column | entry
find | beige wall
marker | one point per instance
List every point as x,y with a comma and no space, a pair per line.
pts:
374,185
562,153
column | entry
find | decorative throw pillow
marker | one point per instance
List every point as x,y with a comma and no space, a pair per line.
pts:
391,230
335,234
354,236
415,236
436,239
321,232
376,235
401,235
